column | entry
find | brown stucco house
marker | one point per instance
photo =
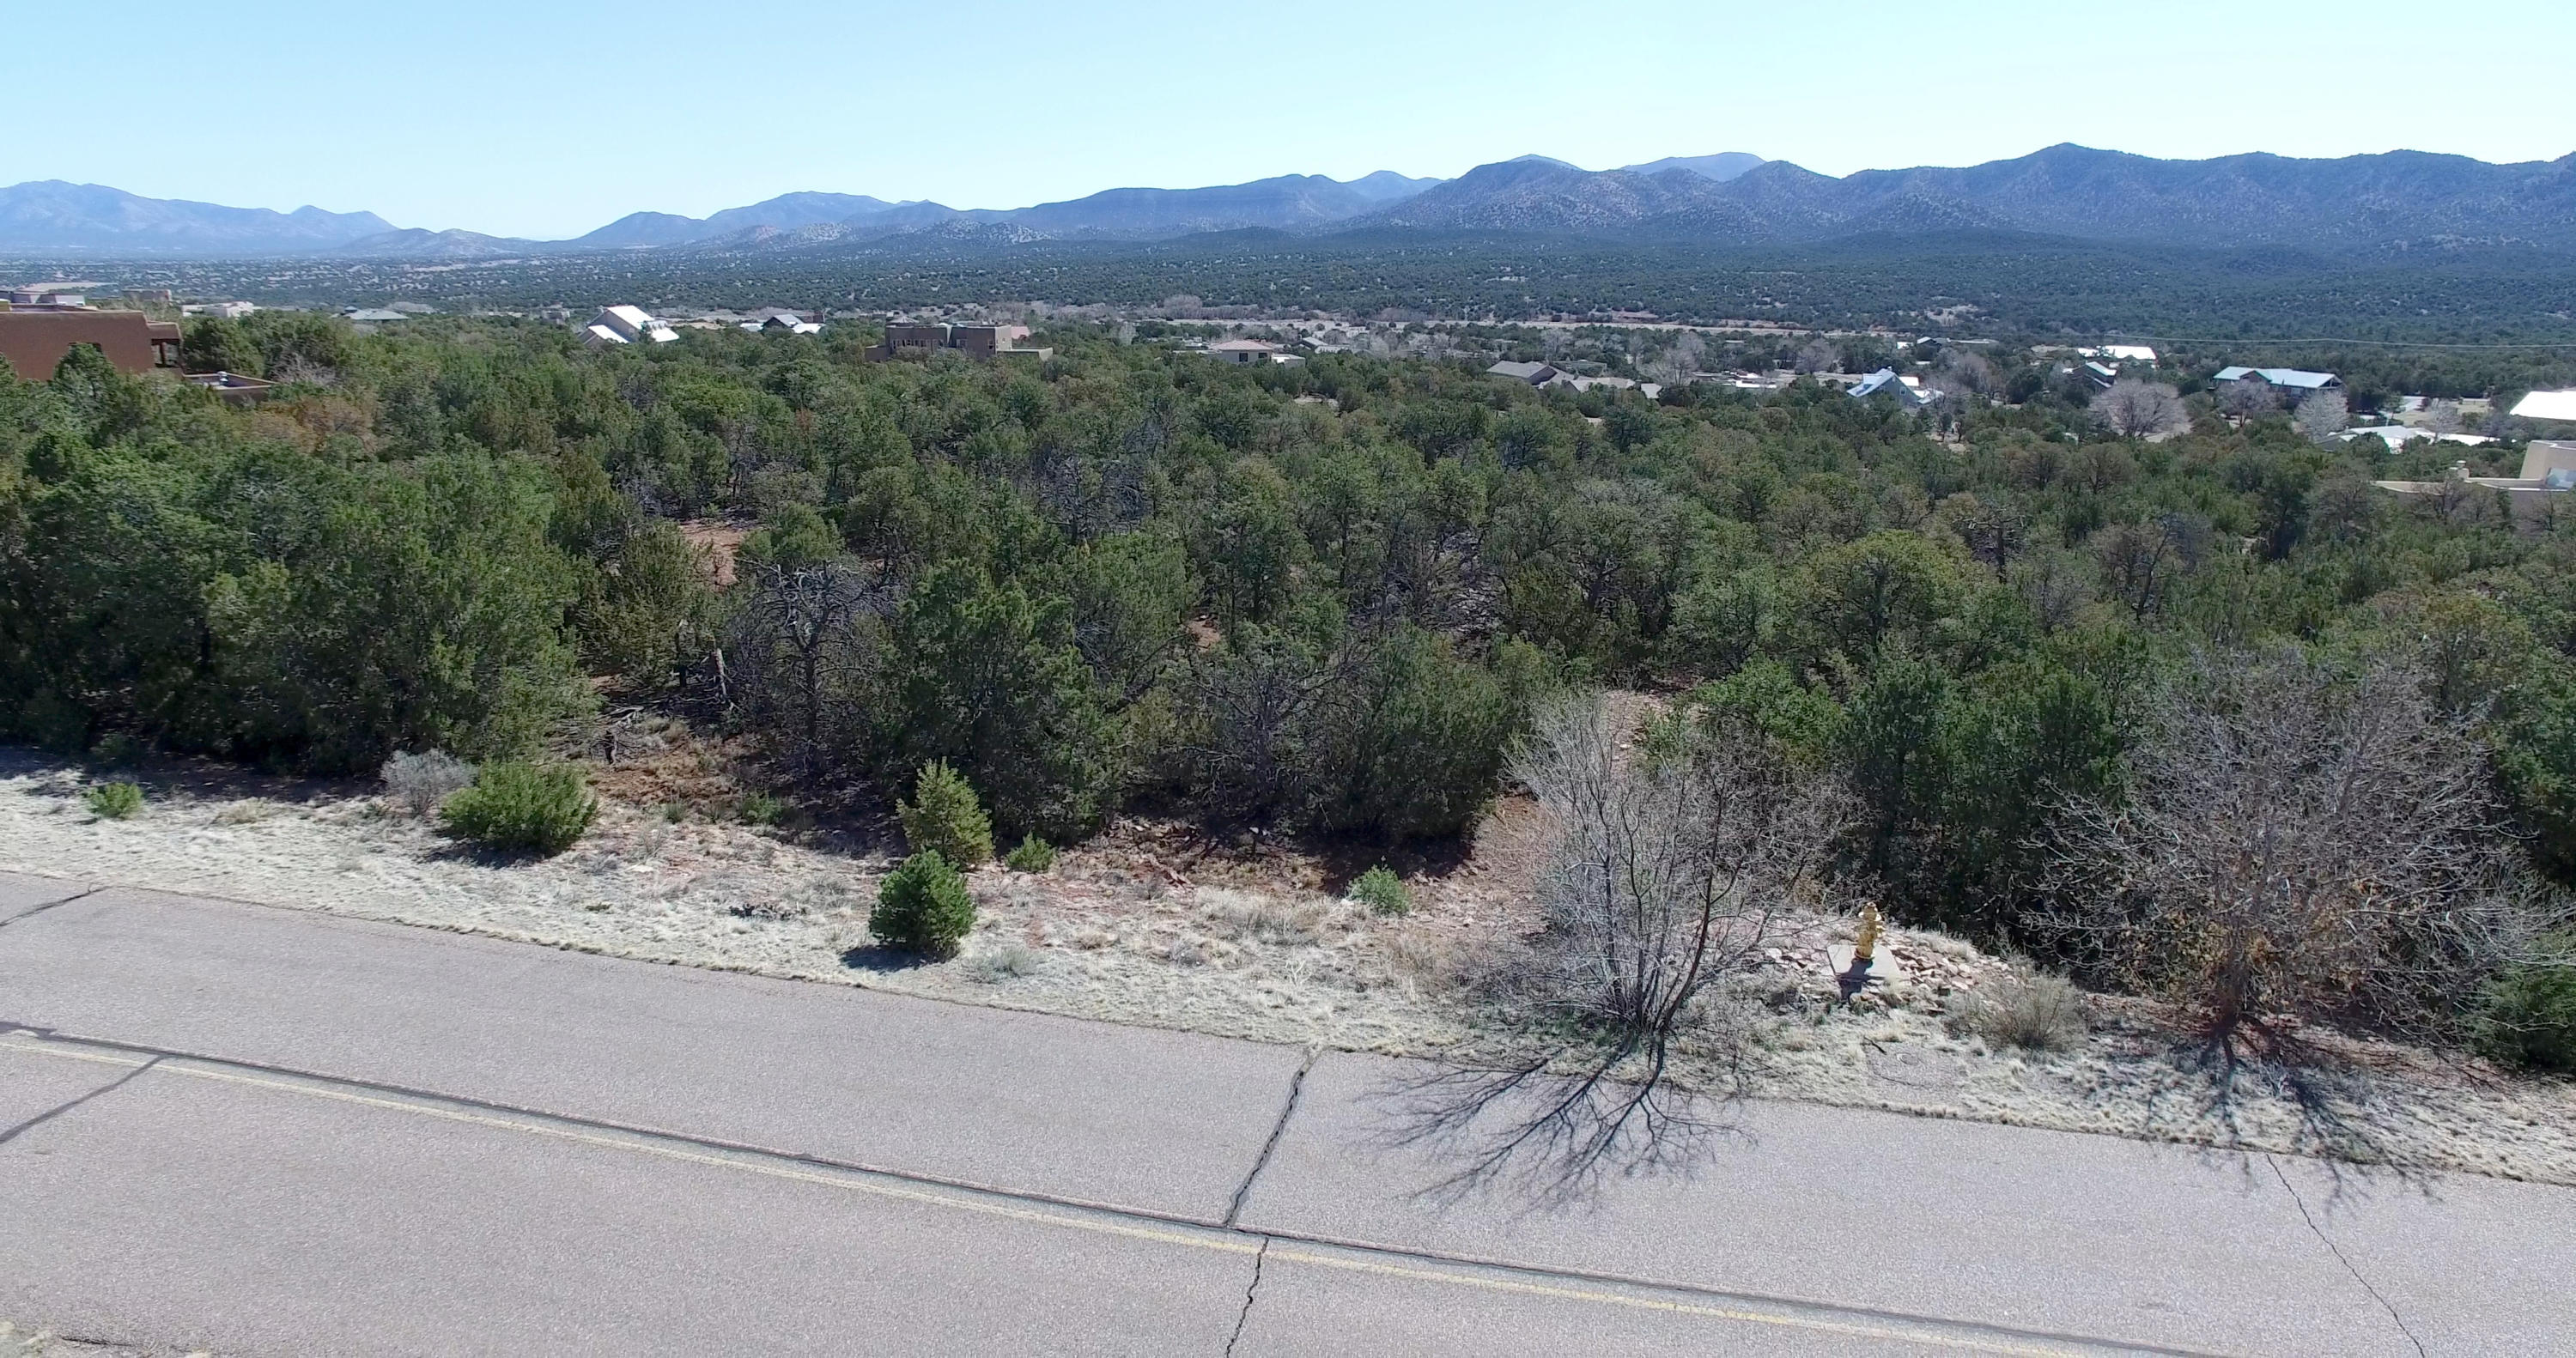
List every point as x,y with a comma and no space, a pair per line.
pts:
35,341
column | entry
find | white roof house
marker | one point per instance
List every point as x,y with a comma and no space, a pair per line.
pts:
626,325
2293,378
2129,353
2399,435
1908,391
2547,405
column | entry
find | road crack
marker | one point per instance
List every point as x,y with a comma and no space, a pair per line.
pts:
32,911
13,1133
2337,1251
1250,1290
1296,1086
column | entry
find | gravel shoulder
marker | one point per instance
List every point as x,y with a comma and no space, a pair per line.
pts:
1149,925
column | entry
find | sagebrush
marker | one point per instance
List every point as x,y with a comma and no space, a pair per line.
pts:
419,782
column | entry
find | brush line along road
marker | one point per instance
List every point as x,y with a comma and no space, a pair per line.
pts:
262,1131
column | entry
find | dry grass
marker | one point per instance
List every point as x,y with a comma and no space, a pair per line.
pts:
1240,915
1150,923
2031,1010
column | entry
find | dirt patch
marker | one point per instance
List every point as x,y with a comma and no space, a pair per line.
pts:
718,540
1153,923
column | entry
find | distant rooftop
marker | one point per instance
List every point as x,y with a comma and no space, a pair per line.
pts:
2295,378
2547,405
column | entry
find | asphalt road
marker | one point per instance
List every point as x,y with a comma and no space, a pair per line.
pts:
259,1131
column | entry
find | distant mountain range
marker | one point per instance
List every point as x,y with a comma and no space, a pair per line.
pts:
48,214
2399,200
2358,202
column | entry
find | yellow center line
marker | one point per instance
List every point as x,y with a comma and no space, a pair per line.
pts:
960,1200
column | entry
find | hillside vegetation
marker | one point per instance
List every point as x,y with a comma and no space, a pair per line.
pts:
1326,600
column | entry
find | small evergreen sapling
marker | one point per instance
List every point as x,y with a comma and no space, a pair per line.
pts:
923,907
1382,892
945,817
1033,855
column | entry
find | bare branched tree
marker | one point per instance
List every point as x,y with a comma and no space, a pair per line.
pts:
2443,417
1683,359
1966,370
1661,881
2323,415
2142,562
2248,397
2135,409
2299,846
795,655
1994,532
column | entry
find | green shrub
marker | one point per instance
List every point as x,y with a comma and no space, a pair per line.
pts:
521,808
1382,892
116,750
762,809
944,817
2530,1015
1033,855
113,801
923,907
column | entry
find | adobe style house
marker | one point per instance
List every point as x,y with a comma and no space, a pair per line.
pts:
35,341
2548,479
980,342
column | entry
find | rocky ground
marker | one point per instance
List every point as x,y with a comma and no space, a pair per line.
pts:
1150,923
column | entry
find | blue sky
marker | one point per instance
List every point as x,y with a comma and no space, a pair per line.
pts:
548,119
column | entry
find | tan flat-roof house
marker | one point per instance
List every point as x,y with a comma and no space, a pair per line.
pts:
974,341
35,342
2548,478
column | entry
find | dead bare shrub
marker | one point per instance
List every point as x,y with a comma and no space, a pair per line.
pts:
2299,845
1663,880
419,782
2031,1010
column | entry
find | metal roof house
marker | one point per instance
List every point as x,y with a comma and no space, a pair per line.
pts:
1908,391
1536,374
2293,379
626,325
